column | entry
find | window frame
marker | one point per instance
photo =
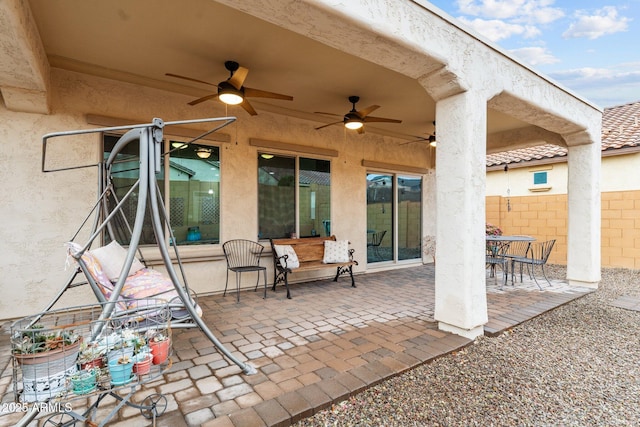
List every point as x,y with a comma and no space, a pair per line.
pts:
168,139
297,156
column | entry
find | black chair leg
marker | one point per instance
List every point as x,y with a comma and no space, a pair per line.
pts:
238,277
225,285
265,283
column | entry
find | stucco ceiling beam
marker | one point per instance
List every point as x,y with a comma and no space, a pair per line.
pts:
442,83
580,138
24,69
375,32
539,115
522,138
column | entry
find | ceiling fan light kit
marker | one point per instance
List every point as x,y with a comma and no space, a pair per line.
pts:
229,94
353,121
203,153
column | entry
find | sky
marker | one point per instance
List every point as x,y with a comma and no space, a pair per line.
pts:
591,47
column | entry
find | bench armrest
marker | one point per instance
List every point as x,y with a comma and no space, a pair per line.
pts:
279,259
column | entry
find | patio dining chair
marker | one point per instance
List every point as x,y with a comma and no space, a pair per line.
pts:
243,256
496,257
517,249
538,254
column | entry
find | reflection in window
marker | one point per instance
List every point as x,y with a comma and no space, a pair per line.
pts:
394,206
279,214
193,202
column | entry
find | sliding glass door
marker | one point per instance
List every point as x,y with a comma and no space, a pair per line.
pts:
394,206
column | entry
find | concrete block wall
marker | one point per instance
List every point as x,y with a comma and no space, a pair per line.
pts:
545,217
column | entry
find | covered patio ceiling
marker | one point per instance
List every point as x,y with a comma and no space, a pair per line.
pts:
139,42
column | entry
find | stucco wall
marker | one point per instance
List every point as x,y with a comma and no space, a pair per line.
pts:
42,211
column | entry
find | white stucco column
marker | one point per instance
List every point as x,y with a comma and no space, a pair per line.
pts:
583,240
461,300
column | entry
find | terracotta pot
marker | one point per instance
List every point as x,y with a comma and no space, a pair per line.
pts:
98,362
160,350
144,366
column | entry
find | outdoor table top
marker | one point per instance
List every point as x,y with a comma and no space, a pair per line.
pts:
510,238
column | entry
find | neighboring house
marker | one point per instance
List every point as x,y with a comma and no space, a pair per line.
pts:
531,197
68,65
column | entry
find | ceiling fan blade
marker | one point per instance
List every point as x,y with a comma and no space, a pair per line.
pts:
329,124
257,93
248,108
370,119
328,114
190,79
238,77
370,109
204,98
420,139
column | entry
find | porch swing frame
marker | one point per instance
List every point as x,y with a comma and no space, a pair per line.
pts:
150,137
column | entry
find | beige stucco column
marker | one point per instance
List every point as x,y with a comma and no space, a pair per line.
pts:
583,188
24,68
460,290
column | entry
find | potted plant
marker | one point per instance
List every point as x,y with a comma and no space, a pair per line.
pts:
159,344
91,356
121,370
46,357
142,363
142,356
84,381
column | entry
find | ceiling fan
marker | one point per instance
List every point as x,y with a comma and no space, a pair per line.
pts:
232,91
431,139
355,119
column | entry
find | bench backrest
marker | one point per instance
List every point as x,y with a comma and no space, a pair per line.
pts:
307,248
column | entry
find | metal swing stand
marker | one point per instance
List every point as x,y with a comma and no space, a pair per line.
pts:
150,137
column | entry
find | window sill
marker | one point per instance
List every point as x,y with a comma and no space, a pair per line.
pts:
540,189
188,253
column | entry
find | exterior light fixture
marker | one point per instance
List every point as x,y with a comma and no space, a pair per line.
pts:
266,156
203,153
432,140
353,121
229,94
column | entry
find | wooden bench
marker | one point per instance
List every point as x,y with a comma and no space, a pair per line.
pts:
310,253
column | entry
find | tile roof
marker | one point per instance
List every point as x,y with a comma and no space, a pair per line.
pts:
620,129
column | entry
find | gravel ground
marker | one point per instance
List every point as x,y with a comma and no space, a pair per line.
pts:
578,365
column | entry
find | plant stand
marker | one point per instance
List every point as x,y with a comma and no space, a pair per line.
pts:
53,376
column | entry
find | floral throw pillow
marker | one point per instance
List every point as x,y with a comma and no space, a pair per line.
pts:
292,260
336,251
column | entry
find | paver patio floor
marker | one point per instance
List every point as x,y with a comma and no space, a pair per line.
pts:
327,343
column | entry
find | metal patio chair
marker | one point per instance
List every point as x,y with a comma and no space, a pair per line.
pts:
517,249
496,257
538,254
243,256
376,240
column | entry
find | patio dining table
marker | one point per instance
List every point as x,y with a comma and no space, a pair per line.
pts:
506,239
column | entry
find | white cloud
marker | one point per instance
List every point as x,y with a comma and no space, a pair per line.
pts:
496,30
602,22
520,11
617,85
534,55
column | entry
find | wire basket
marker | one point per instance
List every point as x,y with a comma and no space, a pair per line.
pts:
71,352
